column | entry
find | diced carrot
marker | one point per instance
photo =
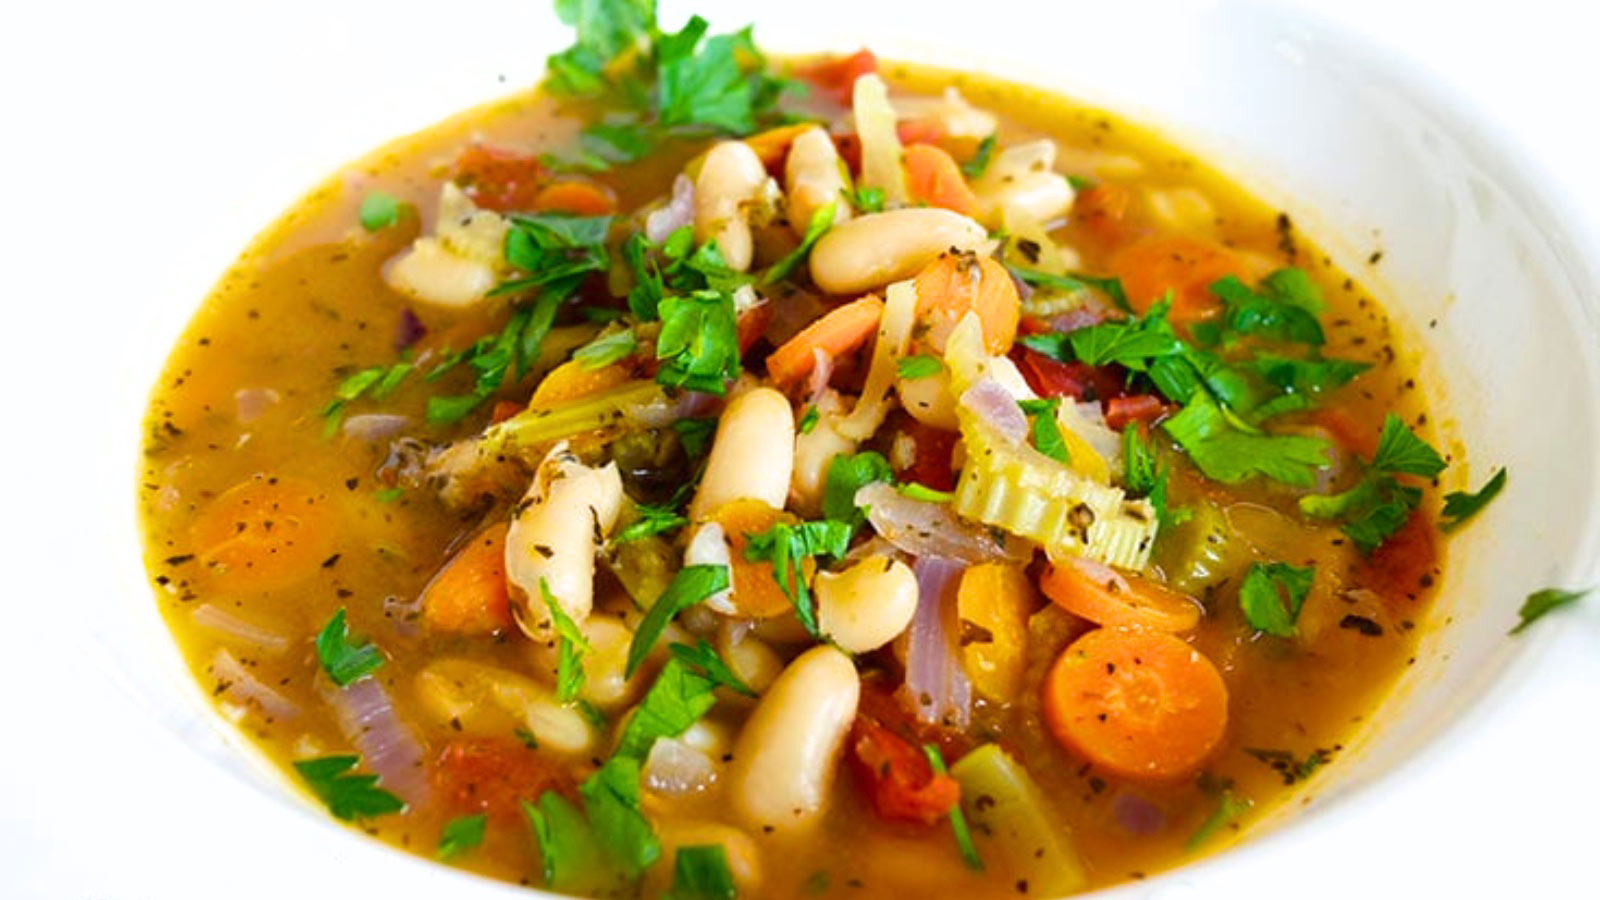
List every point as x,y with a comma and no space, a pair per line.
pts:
756,593
265,532
1105,596
1186,266
500,180
1103,210
1052,378
992,604
934,179
493,775
1406,565
772,146
503,410
836,333
468,595
583,198
1136,703
957,282
572,380
1145,408
899,782
911,131
836,77
752,324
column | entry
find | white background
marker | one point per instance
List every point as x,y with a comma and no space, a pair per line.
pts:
98,801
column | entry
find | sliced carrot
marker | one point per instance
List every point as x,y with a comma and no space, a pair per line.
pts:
583,198
772,146
572,380
837,332
1105,596
1186,266
1136,703
468,595
264,533
933,178
957,282
756,593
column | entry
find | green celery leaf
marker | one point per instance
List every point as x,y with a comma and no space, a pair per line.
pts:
700,872
1046,432
652,520
1544,601
571,859
867,199
1229,808
695,435
1246,312
1372,511
958,819
344,660
1271,596
808,420
606,29
460,835
787,546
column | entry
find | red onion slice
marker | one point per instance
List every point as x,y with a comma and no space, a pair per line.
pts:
937,685
387,746
225,624
921,528
1137,815
678,212
235,682
375,426
995,407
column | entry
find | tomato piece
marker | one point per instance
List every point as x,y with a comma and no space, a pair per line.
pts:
500,180
930,465
1103,210
493,775
896,777
1052,378
752,324
836,78
1406,565
1145,408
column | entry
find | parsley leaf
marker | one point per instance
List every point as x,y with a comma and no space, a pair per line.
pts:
611,801
555,250
653,520
958,819
570,857
1229,808
979,163
1379,505
569,666
821,220
786,547
1543,601
692,585
347,795
1131,344
1145,476
676,700
606,349
705,87
1271,596
606,29
1459,506
867,199
695,435
700,872
916,491
460,835
379,210
1399,450
699,342
344,660
1285,309
808,420
1074,282
1229,455
704,660
1046,432
846,475
910,368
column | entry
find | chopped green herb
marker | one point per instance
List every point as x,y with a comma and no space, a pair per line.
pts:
1229,808
607,349
700,872
704,660
699,342
1401,451
1543,601
979,163
528,738
611,802
695,435
573,647
1146,476
391,380
1271,596
809,420
1285,309
1046,432
910,368
692,585
821,221
1229,455
787,546
924,493
867,199
347,795
676,700
389,495
1379,504
1080,183
345,661
715,273
570,856
845,476
460,835
379,210
606,30
1459,506
958,820
653,520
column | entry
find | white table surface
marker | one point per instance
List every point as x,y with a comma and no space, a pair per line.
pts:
98,802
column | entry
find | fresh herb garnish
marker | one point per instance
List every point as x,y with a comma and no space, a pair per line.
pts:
867,199
699,342
611,802
652,520
344,660
347,795
700,872
787,547
703,660
1229,807
572,647
1226,453
1285,308
1146,476
845,476
379,210
979,163
958,819
821,221
676,700
808,420
1046,432
915,491
1380,504
1460,506
695,435
606,349
910,368
570,858
1543,601
460,835
1271,596
692,585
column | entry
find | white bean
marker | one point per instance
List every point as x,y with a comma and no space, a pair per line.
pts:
731,178
481,699
1022,185
814,178
867,605
457,264
929,400
750,658
814,451
752,455
604,682
788,753
556,529
872,250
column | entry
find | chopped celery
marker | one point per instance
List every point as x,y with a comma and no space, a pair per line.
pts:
1202,552
1005,804
533,427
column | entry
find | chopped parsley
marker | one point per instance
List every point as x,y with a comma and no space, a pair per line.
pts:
345,660
460,835
1229,454
570,856
703,660
692,585
867,199
1146,476
1379,504
572,647
677,699
1046,432
700,872
611,802
1543,601
821,221
910,368
1289,767
958,819
379,210
808,420
699,342
1285,308
348,795
979,163
1230,807
787,547
695,435
845,476
1271,596
1460,506
652,520
915,491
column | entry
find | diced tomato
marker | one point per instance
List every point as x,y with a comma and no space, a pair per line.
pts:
1405,565
836,77
1033,325
1052,378
1103,210
493,775
503,410
752,324
1144,408
897,778
930,465
497,179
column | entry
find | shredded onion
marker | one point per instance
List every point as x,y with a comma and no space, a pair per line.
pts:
709,547
994,406
215,619
387,746
821,373
921,528
375,426
236,683
894,333
938,686
675,768
1137,815
250,403
678,212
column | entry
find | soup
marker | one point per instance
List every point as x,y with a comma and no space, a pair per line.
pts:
712,477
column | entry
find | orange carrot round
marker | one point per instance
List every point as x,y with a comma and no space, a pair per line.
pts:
264,533
468,595
840,331
1105,596
1136,703
583,198
957,282
933,178
1186,266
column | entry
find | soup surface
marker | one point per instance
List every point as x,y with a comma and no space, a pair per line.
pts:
710,477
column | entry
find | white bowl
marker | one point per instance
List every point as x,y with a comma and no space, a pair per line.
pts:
1365,153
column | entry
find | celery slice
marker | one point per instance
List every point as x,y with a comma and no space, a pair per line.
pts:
533,427
1005,804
